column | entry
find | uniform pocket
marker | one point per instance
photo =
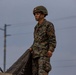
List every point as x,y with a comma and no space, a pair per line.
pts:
47,66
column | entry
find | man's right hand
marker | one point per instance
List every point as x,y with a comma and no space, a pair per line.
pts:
30,49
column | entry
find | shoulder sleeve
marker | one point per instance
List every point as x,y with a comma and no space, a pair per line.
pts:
51,37
33,37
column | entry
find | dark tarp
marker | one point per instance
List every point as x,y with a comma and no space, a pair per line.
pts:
1,69
23,66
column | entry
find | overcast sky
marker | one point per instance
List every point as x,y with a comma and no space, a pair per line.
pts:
18,13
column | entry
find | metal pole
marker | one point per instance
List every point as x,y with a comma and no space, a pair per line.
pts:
4,47
5,35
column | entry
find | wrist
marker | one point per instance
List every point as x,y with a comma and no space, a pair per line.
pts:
51,49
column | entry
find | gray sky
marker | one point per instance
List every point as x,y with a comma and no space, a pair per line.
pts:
18,13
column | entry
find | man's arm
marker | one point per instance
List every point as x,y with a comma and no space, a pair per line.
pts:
51,38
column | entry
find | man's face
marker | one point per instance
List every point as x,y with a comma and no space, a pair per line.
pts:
38,16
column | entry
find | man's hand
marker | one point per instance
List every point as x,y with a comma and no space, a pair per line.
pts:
49,53
30,49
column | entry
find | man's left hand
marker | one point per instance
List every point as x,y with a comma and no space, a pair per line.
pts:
49,53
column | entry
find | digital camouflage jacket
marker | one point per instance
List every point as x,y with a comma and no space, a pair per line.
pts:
44,39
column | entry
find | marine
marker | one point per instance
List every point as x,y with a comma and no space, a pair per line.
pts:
44,43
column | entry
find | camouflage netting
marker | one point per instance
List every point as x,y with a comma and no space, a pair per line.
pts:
23,66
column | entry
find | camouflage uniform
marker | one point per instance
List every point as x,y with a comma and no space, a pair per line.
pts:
44,41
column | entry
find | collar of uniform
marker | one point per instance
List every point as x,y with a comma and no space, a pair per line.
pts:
39,25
